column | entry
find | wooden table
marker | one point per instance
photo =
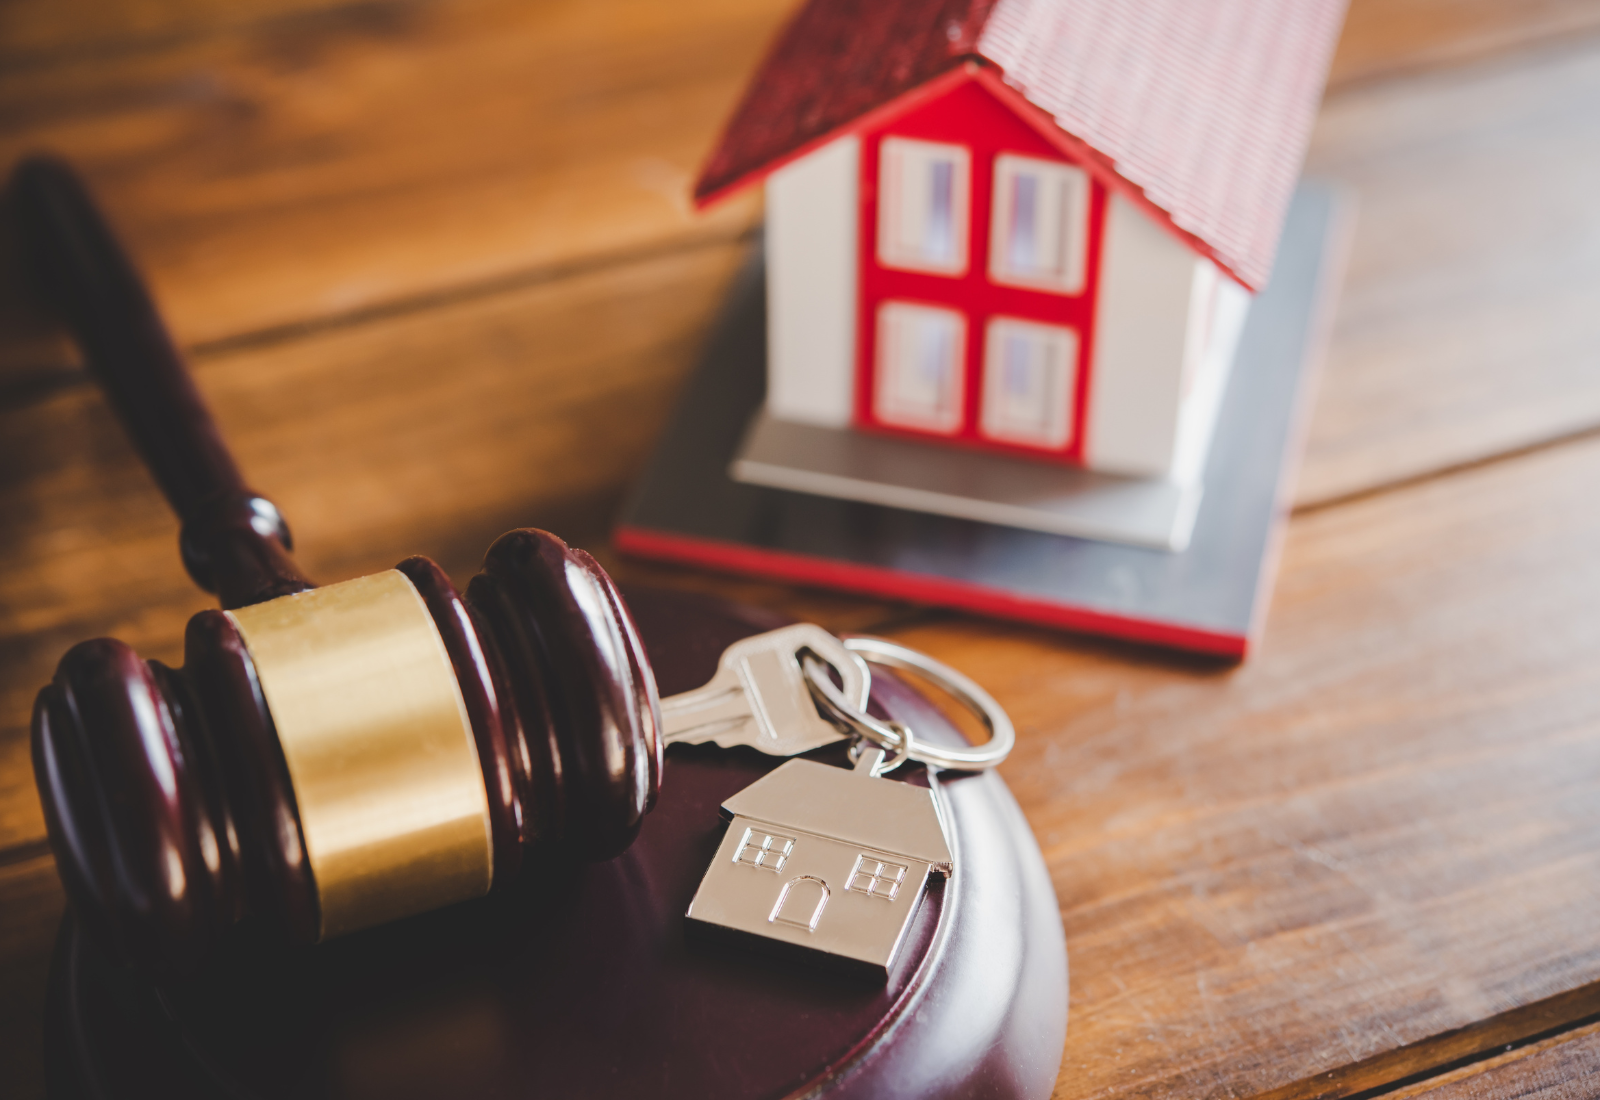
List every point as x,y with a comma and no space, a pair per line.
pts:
435,268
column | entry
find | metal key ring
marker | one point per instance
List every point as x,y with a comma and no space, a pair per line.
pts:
889,759
1002,736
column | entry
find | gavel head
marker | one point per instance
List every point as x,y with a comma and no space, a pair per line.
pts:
348,755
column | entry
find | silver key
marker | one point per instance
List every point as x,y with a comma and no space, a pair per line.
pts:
759,696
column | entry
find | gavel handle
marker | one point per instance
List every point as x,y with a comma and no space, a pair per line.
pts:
234,542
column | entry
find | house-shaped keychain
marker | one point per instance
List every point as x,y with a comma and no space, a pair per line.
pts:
1011,246
825,863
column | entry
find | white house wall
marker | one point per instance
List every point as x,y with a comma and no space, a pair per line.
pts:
812,258
1225,310
1143,342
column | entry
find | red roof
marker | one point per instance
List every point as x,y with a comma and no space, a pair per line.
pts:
1201,107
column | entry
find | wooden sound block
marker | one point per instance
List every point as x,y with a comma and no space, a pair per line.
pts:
579,981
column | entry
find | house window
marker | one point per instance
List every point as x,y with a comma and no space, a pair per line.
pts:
918,381
922,206
1029,383
1040,230
876,878
768,851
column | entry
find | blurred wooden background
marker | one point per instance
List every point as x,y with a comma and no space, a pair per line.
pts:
435,267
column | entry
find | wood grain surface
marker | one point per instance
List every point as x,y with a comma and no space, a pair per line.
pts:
1383,38
1381,828
1561,1067
1468,325
279,173
435,266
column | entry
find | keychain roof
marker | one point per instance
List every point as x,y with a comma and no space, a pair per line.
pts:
832,802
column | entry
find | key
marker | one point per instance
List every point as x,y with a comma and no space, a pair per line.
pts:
759,696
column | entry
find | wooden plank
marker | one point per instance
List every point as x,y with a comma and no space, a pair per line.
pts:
41,33
291,171
1380,829
1467,326
1416,1068
21,818
1383,38
1565,1067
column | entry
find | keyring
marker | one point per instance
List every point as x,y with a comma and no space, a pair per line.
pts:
1002,736
887,759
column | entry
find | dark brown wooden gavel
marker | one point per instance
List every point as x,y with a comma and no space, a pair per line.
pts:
330,757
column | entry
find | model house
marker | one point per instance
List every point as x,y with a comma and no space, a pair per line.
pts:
823,862
1027,229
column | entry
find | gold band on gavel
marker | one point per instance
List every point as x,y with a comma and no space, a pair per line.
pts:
379,747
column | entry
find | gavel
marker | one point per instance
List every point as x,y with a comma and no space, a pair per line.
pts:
330,758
